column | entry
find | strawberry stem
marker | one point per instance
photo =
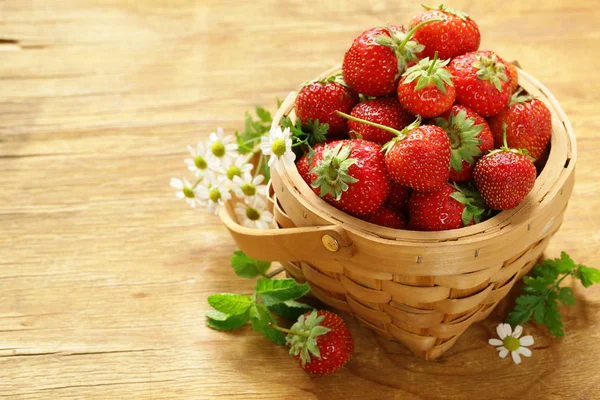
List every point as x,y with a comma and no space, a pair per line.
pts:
432,65
504,135
289,331
412,31
374,124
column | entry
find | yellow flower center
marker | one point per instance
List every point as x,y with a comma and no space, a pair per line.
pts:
187,192
233,171
278,147
511,343
214,195
200,162
218,149
248,189
252,214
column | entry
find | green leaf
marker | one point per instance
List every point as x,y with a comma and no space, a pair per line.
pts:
290,309
274,291
264,115
232,304
260,318
539,284
588,276
247,267
226,322
566,296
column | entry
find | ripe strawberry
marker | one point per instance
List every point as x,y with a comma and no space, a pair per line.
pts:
320,341
528,124
302,164
470,137
481,81
351,175
398,197
378,56
456,34
426,88
418,157
514,76
319,100
447,208
387,216
504,177
384,111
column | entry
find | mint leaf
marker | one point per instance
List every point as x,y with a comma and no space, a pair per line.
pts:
566,296
260,318
274,291
232,304
225,322
247,267
290,309
588,276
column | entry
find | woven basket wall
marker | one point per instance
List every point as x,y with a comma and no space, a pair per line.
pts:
423,289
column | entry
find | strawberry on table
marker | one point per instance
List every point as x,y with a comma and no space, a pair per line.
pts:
470,137
320,341
378,56
384,111
456,34
528,124
319,100
388,217
448,208
351,175
426,88
482,82
505,176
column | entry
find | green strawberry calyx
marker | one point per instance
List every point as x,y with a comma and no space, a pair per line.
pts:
302,336
405,49
475,207
460,14
337,78
464,138
332,171
429,72
505,147
517,98
491,69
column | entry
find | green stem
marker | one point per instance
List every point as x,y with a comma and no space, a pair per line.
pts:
197,183
272,274
430,69
376,125
259,165
412,31
280,329
504,135
253,152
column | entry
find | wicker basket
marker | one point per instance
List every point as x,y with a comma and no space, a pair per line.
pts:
423,289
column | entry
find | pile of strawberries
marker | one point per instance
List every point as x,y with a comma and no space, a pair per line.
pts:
426,131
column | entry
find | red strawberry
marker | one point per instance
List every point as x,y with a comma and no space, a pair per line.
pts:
448,208
398,197
319,100
504,177
470,137
351,175
302,164
385,111
482,82
378,57
528,124
456,34
387,216
320,341
426,89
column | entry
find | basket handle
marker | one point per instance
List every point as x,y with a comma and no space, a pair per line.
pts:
289,244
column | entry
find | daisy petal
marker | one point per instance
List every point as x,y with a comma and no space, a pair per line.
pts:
503,353
500,331
524,351
526,340
495,342
516,357
507,329
518,331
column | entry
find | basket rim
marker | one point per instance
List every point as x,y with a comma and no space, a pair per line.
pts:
559,166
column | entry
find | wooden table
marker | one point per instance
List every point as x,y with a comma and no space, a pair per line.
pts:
104,274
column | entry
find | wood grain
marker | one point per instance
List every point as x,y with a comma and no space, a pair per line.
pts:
104,275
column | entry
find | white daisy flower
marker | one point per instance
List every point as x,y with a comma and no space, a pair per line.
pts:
201,163
510,341
186,191
246,187
222,149
278,145
214,193
238,168
254,214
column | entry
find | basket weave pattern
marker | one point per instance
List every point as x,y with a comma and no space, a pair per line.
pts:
423,289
